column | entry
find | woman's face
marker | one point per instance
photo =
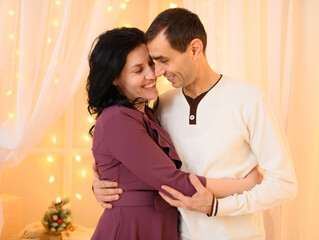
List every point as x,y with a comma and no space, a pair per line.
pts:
137,79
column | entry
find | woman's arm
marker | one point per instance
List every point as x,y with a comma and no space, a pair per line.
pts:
201,201
123,136
105,191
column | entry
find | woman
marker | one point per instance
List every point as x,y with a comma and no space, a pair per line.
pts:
130,147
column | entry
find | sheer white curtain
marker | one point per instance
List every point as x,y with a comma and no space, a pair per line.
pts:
253,41
301,217
43,57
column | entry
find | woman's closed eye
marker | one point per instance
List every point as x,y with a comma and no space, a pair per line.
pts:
139,70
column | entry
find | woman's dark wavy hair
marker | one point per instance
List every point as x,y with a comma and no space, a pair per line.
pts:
106,60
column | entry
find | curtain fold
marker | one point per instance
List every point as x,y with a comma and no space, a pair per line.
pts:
44,47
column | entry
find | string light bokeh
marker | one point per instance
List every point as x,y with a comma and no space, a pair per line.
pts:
63,157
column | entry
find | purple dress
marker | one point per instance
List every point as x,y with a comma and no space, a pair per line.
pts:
136,152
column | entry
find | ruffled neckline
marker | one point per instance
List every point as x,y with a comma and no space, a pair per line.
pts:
164,139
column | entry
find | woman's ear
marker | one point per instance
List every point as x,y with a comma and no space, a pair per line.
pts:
196,46
114,83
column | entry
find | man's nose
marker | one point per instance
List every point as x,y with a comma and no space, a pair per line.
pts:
159,71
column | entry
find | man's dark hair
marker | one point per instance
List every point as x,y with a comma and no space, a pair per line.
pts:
181,27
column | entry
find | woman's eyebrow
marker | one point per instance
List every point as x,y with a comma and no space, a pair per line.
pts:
137,65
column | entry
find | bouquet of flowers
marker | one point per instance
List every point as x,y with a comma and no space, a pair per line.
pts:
57,219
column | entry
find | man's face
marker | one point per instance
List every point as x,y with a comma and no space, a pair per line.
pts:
177,67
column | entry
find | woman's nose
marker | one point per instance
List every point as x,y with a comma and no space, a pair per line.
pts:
150,74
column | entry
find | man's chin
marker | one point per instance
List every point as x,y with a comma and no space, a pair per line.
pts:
177,85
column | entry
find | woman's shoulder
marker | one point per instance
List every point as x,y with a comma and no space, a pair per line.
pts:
118,113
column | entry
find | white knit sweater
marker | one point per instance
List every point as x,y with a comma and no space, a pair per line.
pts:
236,129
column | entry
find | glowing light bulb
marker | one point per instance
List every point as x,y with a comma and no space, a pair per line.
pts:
128,25
98,3
58,199
18,52
55,22
173,5
90,119
49,40
87,138
83,173
10,115
18,75
9,93
50,159
11,12
58,2
51,179
123,5
78,158
126,0
54,139
109,8
11,36
56,80
78,196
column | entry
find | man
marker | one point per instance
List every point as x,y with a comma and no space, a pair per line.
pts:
220,127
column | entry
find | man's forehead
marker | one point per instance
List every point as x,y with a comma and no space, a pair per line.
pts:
156,55
157,52
159,47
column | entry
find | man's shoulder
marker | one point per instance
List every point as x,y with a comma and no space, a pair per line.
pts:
168,97
166,101
169,94
242,89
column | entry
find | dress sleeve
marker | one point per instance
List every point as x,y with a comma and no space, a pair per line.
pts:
128,141
270,146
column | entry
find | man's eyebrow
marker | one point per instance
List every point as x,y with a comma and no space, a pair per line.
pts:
157,57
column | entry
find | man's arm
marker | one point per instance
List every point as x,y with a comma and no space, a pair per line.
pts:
104,191
269,144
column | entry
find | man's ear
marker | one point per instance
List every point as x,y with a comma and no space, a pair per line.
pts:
196,47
